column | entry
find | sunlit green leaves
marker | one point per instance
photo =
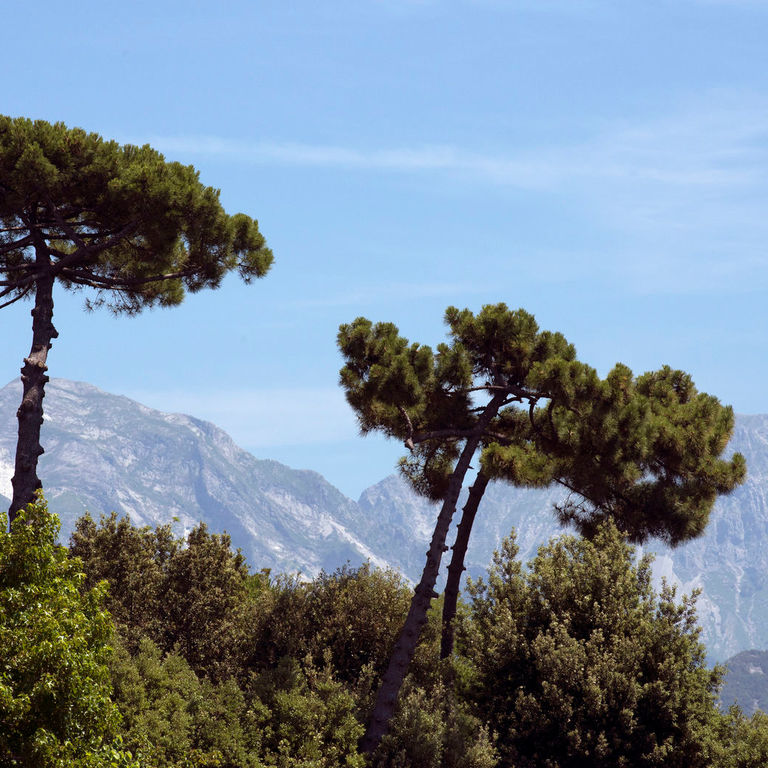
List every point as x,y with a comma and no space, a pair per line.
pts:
54,685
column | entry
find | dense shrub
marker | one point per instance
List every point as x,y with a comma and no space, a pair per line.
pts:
191,596
354,614
575,662
578,662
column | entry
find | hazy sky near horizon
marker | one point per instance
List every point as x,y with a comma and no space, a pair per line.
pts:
602,164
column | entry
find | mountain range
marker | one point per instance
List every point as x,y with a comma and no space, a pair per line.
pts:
105,452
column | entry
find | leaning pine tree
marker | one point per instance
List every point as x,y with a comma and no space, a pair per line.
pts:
82,212
644,452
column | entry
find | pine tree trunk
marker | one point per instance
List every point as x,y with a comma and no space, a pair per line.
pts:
30,413
456,568
386,699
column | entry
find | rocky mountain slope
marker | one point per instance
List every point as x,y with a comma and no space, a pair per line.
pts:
105,452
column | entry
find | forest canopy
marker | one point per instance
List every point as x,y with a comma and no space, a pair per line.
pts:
572,661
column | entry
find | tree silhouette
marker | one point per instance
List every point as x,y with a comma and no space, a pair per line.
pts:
88,213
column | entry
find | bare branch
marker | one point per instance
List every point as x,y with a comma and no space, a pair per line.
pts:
567,485
409,440
71,233
16,244
83,277
445,434
19,282
94,249
498,438
17,267
15,298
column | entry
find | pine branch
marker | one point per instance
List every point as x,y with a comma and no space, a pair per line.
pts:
16,298
88,251
16,244
83,277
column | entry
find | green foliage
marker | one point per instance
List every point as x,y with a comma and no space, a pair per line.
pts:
578,662
55,708
575,662
204,595
293,716
116,218
192,596
505,344
353,615
643,451
309,721
410,393
133,561
740,742
209,672
172,718
433,729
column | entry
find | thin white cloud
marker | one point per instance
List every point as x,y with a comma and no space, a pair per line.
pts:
428,158
712,145
683,194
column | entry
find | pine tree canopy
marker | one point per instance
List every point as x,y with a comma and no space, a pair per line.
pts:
119,219
643,450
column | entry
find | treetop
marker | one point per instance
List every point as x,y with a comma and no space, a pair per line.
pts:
113,217
642,450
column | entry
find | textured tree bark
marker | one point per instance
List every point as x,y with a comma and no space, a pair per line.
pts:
33,376
457,568
386,699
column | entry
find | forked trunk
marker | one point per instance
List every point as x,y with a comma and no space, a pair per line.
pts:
386,699
457,568
30,414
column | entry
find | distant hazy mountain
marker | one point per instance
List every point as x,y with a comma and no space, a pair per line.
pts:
105,452
746,682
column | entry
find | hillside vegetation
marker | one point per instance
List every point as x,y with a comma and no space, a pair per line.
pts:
574,661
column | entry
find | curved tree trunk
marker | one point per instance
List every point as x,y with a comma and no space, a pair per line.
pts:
386,699
457,568
30,414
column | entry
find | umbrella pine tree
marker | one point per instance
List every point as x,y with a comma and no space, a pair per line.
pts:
642,451
80,212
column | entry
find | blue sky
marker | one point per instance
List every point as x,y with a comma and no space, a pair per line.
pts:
602,164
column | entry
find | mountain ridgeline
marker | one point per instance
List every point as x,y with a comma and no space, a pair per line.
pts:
105,452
